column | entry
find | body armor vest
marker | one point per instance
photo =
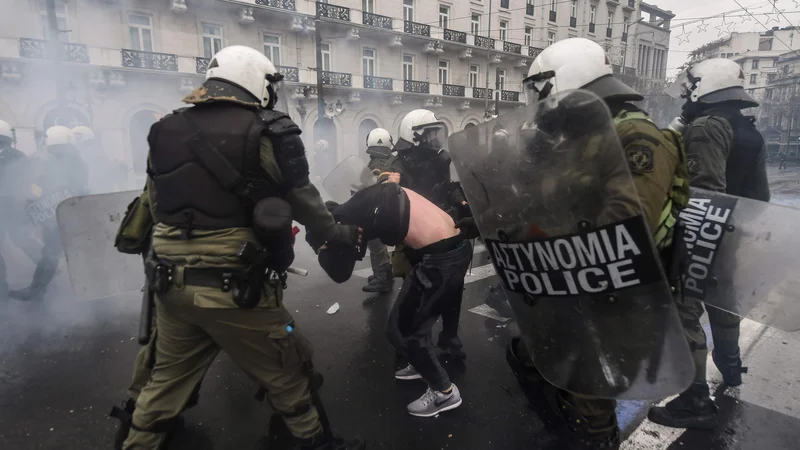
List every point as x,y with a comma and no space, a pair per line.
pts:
748,144
187,194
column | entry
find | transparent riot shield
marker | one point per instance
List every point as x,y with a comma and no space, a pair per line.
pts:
557,208
88,226
743,257
350,176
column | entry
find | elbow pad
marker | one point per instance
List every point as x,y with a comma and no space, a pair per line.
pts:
290,154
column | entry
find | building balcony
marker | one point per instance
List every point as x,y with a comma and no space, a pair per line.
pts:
485,42
608,32
511,47
630,5
553,16
335,12
529,9
288,5
37,48
533,52
337,79
420,29
376,20
509,96
482,93
591,28
455,36
289,73
417,87
612,4
149,60
381,83
453,90
630,71
201,64
573,22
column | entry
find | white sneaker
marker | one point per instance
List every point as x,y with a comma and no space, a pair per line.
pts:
408,373
434,402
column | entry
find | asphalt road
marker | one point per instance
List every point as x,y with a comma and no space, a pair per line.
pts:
65,363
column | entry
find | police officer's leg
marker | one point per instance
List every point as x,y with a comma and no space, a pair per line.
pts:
694,408
3,273
382,278
595,419
725,332
46,267
184,352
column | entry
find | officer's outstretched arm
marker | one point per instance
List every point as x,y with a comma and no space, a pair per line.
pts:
708,142
285,161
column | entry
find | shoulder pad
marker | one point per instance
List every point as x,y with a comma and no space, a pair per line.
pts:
278,123
177,111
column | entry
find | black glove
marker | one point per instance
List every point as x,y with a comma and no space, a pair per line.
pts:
348,235
468,228
331,205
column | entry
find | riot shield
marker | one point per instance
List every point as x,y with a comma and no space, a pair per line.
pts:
742,257
557,208
88,226
350,176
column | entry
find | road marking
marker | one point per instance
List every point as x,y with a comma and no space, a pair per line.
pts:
487,311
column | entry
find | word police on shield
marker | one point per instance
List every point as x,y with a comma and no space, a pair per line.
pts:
605,259
44,209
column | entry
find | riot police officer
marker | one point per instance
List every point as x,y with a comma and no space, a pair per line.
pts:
221,172
654,162
379,150
63,174
724,153
423,166
105,174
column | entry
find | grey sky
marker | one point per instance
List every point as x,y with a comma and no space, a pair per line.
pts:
690,11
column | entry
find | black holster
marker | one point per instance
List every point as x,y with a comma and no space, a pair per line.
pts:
159,273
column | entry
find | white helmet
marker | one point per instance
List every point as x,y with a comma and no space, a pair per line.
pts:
83,134
59,135
249,69
5,130
421,127
712,81
321,145
575,63
379,138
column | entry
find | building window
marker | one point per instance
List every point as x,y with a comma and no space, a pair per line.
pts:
368,6
528,36
408,10
771,77
141,30
592,17
529,8
553,5
475,24
501,79
408,67
753,78
61,19
444,71
768,94
626,25
444,16
272,48
368,60
474,75
610,20
504,3
325,49
212,40
574,11
551,37
503,30
755,64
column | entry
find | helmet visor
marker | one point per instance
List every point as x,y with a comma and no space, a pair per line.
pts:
432,136
538,86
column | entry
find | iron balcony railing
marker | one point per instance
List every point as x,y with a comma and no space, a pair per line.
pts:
376,20
37,48
453,90
149,60
337,78
418,87
381,83
331,11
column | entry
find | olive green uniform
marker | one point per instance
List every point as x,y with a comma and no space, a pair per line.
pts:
194,322
654,162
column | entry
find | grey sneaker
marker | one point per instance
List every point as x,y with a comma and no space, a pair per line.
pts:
408,373
433,402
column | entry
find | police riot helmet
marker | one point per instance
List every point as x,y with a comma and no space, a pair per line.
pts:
59,135
6,134
379,137
712,81
575,63
421,128
83,134
248,69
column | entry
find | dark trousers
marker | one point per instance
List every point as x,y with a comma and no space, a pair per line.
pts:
432,287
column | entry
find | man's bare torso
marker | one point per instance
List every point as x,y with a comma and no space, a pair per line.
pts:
428,224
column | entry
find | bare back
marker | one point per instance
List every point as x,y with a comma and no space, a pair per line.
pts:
428,224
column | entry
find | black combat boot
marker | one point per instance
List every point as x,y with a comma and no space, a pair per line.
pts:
125,417
321,442
730,367
694,408
382,282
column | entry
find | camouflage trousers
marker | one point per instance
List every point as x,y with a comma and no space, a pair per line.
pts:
188,340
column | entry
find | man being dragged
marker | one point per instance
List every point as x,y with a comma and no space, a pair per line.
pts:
440,254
